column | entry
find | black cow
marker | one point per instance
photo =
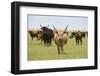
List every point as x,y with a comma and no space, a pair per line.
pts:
83,34
47,35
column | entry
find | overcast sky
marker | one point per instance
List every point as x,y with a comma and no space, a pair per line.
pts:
60,22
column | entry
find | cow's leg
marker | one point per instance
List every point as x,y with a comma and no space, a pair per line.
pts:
84,36
47,42
32,37
62,51
58,49
50,42
78,41
44,42
81,41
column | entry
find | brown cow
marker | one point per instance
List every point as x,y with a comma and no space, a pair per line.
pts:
33,33
60,39
36,33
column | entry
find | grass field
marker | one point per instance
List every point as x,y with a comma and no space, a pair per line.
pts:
37,51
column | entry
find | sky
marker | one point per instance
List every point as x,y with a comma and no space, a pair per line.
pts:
60,22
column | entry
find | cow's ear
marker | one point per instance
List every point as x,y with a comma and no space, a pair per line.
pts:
64,32
56,32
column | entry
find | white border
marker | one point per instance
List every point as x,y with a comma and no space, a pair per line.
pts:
26,65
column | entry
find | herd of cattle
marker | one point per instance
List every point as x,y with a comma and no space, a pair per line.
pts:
60,37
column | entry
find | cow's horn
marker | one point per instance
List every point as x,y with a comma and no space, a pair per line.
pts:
48,26
55,29
40,25
66,28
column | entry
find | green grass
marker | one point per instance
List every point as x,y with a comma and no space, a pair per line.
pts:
37,51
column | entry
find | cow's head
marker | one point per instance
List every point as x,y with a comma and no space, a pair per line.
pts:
60,33
44,28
